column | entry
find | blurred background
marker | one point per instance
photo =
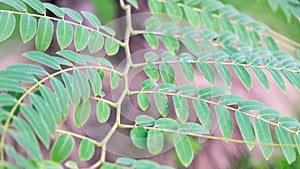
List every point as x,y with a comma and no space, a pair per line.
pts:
108,11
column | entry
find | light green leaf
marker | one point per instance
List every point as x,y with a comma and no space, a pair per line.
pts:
227,38
149,84
224,73
150,57
246,128
188,90
214,91
27,27
17,4
162,104
126,160
284,138
181,108
264,136
84,87
269,114
261,77
166,123
96,42
81,38
144,120
183,149
243,75
242,33
17,76
230,99
143,101
153,24
151,40
144,164
114,80
72,14
211,5
7,99
192,128
43,59
31,69
156,6
228,11
134,3
11,85
173,10
224,120
37,124
138,137
64,34
44,34
152,71
288,122
167,87
168,56
208,71
7,25
170,42
155,141
270,43
62,148
293,78
191,44
45,112
278,79
73,56
209,21
192,16
54,9
167,72
203,113
111,46
20,160
72,88
36,5
250,105
62,96
71,164
86,150
187,70
95,81
92,18
82,113
103,111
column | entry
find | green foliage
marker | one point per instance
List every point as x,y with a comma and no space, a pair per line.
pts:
206,37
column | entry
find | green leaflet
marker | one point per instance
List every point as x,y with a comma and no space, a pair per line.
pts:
162,104
43,59
269,114
17,76
11,85
149,84
71,164
152,71
153,24
45,112
125,161
103,111
192,16
270,42
64,34
181,108
278,79
183,149
168,56
81,38
17,4
170,42
72,88
151,40
167,87
288,122
36,5
7,99
143,164
214,91
83,84
227,38
188,90
27,27
203,113
62,96
86,150
261,77
285,138
243,75
228,11
156,7
54,9
151,57
134,3
209,21
166,123
230,99
144,120
96,42
82,113
264,136
246,128
111,46
62,148
114,80
44,34
138,137
211,5
25,137
72,14
173,10
38,125
293,78
143,101
251,105
95,81
208,71
224,120
191,45
224,73
187,70
92,18
7,25
20,160
155,141
73,56
167,72
194,128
